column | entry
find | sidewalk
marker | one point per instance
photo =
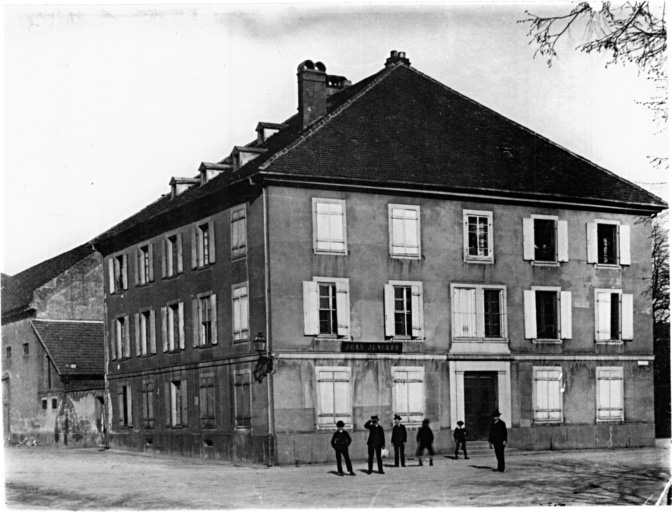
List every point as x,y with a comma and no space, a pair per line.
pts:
57,478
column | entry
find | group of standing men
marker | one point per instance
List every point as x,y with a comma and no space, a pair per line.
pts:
341,440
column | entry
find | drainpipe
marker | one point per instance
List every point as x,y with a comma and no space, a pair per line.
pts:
269,338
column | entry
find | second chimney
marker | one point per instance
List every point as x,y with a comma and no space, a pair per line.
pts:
312,91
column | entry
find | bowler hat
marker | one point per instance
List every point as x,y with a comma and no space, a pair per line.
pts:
397,417
496,413
374,417
460,423
339,423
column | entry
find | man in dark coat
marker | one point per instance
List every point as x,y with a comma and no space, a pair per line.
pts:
398,441
460,436
375,443
425,438
340,442
497,439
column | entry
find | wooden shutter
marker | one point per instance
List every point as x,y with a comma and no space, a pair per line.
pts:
129,404
311,323
124,271
164,328
530,306
416,312
211,240
602,316
491,238
563,241
180,266
127,337
194,247
164,257
120,404
138,351
464,313
152,331
624,244
136,265
213,317
389,310
195,323
180,310
566,315
184,402
110,266
342,308
528,239
113,339
168,403
627,328
591,242
151,261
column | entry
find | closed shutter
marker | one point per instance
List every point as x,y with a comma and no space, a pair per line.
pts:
343,308
184,402
464,313
563,241
211,240
416,397
138,350
530,307
127,337
624,244
129,405
389,310
528,239
566,315
195,323
311,324
627,329
591,242
180,308
164,328
152,331
151,261
609,393
168,403
110,266
416,312
602,316
213,317
120,404
112,335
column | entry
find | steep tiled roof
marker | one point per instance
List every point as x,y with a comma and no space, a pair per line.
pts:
401,128
17,290
76,348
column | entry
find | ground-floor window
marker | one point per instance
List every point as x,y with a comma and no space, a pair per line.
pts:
206,400
409,393
148,403
333,396
125,402
547,394
609,393
176,410
243,399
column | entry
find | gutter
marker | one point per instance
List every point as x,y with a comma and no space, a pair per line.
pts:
269,338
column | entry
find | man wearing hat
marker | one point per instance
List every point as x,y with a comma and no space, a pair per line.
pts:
375,443
460,436
497,439
340,442
398,441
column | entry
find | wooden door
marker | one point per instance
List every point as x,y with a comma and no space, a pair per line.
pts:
480,399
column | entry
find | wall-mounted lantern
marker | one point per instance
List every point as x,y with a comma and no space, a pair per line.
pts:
265,362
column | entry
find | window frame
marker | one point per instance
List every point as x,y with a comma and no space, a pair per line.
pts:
610,419
390,221
118,273
561,240
244,333
172,263
311,307
469,258
406,416
124,405
316,240
170,327
209,420
247,375
622,245
144,264
535,396
121,349
199,242
417,324
148,410
564,312
177,403
240,250
319,406
480,312
625,316
197,320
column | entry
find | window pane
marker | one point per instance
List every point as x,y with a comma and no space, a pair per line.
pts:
491,299
464,316
547,314
606,243
615,320
544,239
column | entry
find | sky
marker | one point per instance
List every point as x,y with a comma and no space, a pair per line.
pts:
103,104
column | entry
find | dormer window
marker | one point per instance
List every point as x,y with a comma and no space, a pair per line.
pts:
208,171
242,155
180,185
267,130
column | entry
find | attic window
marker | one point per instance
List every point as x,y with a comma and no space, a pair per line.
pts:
180,185
242,155
267,130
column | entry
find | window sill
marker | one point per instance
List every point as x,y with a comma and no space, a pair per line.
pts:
610,420
143,285
239,257
332,426
119,292
332,337
210,345
329,253
204,267
244,427
241,341
405,338
480,340
543,341
613,266
609,342
547,423
405,256
538,263
486,261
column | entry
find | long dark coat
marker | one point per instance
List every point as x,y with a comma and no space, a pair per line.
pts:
498,432
376,435
340,440
398,435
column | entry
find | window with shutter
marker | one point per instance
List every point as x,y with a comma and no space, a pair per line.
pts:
409,394
478,311
613,316
144,263
333,396
243,399
545,240
241,330
478,236
148,404
206,400
608,243
404,310
609,393
547,394
238,232
329,226
404,228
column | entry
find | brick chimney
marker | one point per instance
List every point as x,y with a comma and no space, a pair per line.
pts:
395,57
315,86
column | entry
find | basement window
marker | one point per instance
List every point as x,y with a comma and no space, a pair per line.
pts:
54,403
44,404
26,349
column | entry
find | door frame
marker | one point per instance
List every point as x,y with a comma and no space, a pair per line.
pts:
456,371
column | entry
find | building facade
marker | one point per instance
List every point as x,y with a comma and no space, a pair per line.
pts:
400,249
52,351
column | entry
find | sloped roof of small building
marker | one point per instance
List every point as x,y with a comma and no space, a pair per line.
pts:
76,348
17,290
402,129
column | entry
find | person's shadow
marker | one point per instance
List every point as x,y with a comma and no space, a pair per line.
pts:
482,467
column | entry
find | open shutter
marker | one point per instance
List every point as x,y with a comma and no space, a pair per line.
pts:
180,308
184,402
151,261
528,239
168,403
110,266
343,308
602,316
563,241
164,328
416,312
491,239
195,323
311,324
624,244
180,267
566,315
530,305
194,247
211,240
213,317
164,257
152,331
627,331
120,403
124,271
591,242
113,339
138,351
389,310
127,337
136,267
479,302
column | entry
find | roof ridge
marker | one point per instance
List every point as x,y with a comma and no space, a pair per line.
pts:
316,126
536,134
68,321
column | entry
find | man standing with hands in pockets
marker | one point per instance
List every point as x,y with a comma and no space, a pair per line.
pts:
497,439
375,443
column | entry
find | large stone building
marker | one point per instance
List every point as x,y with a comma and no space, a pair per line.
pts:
400,248
53,379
